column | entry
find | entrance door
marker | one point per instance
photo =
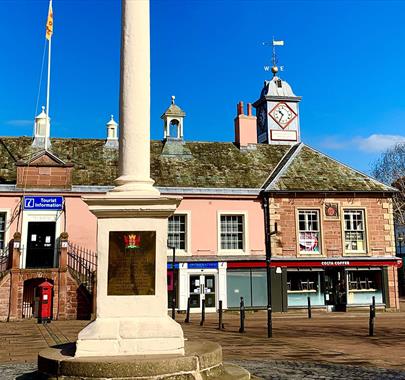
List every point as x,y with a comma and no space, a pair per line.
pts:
335,288
202,287
40,245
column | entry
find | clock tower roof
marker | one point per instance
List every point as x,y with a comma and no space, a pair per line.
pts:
277,87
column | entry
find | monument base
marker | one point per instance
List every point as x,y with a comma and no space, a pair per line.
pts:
131,336
202,360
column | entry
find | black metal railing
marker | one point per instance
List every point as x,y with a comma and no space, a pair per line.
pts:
82,263
4,261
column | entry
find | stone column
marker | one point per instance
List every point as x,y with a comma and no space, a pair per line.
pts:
130,321
135,101
62,283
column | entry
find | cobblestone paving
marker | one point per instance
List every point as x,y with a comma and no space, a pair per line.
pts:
293,370
269,369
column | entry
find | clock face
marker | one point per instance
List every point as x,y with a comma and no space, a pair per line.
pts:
282,114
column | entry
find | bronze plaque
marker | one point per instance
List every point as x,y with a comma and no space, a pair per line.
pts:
131,263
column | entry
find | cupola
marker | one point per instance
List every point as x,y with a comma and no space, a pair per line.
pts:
173,119
41,132
112,134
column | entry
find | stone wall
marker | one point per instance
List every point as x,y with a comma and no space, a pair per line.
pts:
69,302
379,225
44,177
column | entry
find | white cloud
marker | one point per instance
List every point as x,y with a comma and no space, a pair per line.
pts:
377,143
374,143
19,122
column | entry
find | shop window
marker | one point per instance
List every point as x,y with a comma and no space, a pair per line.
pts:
232,230
177,232
309,231
364,285
251,284
303,284
2,229
354,229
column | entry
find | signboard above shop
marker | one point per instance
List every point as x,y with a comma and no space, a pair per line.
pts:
39,203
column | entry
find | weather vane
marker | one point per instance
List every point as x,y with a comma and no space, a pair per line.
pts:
274,68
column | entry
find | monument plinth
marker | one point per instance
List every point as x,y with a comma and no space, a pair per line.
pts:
131,305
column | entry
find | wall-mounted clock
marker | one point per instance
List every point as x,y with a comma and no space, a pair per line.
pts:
282,114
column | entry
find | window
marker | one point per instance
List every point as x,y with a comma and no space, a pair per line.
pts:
177,232
232,232
2,229
309,231
354,229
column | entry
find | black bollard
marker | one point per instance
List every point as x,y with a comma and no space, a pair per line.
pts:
372,318
187,320
220,324
309,308
242,316
202,312
269,322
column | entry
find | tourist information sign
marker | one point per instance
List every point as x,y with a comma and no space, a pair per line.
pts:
43,203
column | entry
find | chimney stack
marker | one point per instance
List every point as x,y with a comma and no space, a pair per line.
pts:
245,126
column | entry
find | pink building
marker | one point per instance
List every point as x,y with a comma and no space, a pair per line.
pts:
334,240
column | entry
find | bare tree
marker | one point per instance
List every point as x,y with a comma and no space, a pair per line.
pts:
390,169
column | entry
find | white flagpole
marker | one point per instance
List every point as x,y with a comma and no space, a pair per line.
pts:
48,124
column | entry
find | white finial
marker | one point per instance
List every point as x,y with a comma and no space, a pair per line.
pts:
43,108
173,98
112,117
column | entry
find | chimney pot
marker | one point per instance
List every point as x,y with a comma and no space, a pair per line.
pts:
240,108
249,109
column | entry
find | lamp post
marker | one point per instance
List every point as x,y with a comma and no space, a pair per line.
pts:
174,282
400,240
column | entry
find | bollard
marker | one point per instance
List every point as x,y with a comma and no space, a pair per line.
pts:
371,322
187,320
220,324
372,318
242,316
309,308
202,312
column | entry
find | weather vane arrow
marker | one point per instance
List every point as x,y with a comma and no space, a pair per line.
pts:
274,68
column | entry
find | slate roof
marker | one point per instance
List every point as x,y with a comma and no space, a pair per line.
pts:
211,165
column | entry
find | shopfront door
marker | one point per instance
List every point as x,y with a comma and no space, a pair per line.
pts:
41,245
336,288
202,287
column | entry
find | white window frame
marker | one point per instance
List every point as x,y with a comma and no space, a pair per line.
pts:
320,236
187,251
244,215
364,230
7,227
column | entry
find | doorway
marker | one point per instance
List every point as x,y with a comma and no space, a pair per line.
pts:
336,288
202,286
41,245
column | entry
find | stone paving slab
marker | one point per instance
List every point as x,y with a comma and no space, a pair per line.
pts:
328,339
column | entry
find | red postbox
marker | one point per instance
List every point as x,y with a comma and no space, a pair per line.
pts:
45,302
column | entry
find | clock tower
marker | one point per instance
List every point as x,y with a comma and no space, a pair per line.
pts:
277,113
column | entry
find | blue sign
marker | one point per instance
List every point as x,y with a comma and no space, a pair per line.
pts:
202,265
170,266
43,203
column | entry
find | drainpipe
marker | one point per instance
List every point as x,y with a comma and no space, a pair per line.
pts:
267,236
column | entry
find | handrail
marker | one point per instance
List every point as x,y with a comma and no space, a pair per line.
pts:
82,263
4,260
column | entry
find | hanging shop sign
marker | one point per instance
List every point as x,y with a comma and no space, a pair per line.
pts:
36,203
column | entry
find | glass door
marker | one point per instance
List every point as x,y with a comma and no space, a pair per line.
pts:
202,287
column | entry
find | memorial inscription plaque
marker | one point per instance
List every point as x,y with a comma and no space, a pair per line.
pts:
131,263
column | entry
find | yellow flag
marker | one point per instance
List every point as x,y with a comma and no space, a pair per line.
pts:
49,22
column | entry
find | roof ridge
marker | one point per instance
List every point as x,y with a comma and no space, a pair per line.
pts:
282,165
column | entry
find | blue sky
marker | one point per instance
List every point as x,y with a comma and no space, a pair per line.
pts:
345,58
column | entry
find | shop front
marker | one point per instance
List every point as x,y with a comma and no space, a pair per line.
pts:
335,284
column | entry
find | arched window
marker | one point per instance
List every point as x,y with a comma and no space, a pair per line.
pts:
174,129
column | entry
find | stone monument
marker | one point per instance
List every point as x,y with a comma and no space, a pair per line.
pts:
132,336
